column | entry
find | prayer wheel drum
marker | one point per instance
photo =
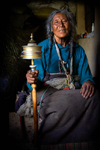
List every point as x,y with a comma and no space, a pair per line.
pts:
31,50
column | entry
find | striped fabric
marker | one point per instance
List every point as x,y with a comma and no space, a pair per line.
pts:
72,146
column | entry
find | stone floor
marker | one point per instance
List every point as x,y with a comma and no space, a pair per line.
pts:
17,140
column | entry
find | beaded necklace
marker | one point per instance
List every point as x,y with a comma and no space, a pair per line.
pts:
61,61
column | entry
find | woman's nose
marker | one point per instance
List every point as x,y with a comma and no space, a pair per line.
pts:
61,24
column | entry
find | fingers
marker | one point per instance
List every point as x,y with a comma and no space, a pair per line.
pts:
32,77
92,92
87,90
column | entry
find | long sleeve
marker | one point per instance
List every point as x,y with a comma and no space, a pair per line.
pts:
40,65
80,64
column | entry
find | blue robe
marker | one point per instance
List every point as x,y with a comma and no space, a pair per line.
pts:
67,116
80,65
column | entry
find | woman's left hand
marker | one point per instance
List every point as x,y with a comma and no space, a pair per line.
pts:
87,89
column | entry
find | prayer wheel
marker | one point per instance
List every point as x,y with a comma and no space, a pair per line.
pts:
33,51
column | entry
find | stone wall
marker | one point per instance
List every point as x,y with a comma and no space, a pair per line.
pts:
19,20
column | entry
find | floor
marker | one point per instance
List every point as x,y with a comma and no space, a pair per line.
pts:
16,139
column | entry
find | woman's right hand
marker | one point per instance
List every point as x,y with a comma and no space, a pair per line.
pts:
32,77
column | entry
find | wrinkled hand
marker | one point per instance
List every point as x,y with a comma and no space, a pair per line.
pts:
32,77
87,89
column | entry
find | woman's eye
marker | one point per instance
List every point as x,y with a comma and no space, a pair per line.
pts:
56,21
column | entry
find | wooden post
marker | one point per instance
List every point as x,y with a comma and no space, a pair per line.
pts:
35,116
34,99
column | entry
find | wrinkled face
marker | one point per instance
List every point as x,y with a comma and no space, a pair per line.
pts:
60,25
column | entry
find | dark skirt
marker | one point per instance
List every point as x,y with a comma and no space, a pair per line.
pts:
68,117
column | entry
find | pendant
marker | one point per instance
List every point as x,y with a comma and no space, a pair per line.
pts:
64,62
69,81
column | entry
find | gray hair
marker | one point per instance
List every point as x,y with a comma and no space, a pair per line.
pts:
69,17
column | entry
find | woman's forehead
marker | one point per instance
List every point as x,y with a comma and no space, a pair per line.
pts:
60,16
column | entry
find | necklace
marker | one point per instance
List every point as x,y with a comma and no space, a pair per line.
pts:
62,62
69,78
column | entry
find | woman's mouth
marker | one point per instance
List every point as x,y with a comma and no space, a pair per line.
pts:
61,30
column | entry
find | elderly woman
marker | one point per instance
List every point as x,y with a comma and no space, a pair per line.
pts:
67,115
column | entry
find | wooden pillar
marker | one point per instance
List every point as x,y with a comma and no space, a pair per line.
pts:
80,17
97,40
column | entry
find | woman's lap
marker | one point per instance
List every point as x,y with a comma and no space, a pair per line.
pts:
68,117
